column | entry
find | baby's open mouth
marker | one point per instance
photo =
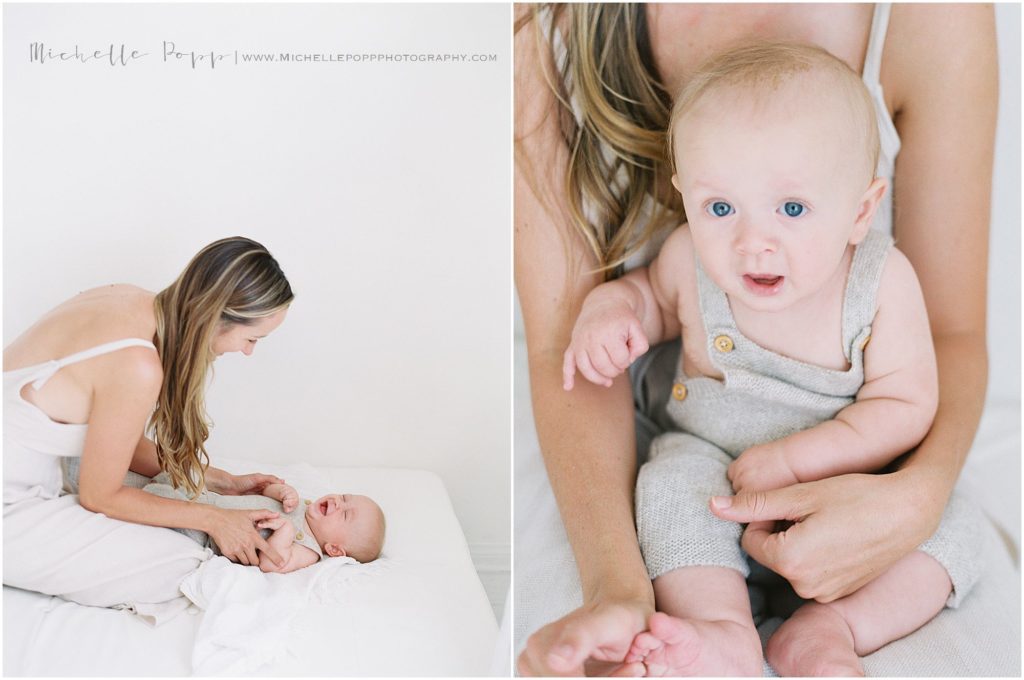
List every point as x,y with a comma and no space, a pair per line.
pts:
763,284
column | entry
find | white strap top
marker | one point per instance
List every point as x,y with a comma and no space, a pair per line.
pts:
46,370
33,442
889,138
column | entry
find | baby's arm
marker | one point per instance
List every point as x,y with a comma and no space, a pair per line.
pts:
283,540
286,495
893,410
620,319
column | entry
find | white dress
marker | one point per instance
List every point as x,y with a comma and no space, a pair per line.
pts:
55,546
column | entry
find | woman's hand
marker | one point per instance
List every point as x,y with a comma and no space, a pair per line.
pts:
591,640
847,529
234,532
227,484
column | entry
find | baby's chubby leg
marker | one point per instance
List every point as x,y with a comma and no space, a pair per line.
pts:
703,627
829,639
694,559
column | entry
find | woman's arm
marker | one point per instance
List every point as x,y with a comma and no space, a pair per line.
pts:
944,58
586,435
145,462
940,69
125,388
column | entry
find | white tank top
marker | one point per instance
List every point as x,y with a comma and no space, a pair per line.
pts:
33,443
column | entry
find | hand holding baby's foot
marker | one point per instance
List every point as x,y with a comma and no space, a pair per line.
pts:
693,647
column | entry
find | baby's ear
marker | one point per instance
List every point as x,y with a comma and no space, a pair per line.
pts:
869,202
675,183
334,550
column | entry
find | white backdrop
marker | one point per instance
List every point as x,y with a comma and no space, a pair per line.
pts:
382,187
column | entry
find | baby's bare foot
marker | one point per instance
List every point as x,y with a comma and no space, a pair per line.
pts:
693,647
815,641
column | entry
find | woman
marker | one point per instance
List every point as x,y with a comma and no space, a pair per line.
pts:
83,381
593,93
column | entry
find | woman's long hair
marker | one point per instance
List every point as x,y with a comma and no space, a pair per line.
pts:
619,165
231,281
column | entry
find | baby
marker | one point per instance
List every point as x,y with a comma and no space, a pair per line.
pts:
806,353
335,525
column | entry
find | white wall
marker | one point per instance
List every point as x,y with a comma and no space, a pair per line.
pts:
1004,321
382,188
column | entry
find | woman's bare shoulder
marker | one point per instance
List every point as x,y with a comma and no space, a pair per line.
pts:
931,48
89,319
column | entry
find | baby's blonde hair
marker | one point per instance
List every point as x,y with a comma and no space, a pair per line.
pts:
763,67
368,548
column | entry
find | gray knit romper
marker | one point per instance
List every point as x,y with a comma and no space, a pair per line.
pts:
764,396
161,486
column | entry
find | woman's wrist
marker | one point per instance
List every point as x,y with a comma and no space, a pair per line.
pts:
617,587
209,518
924,487
217,480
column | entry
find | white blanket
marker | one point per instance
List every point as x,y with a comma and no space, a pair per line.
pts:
247,613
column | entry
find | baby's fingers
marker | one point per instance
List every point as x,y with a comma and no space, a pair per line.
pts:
601,360
637,342
568,369
586,367
619,355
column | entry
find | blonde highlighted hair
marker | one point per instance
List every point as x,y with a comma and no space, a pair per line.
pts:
613,115
231,281
760,68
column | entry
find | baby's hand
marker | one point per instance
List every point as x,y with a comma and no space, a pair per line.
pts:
287,495
289,498
761,468
272,524
607,338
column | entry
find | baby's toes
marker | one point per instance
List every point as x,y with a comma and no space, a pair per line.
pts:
643,644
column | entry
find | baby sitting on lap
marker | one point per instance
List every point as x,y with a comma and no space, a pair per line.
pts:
335,525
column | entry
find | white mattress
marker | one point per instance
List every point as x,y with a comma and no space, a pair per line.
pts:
422,613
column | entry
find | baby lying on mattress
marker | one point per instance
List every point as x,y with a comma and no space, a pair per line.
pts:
335,525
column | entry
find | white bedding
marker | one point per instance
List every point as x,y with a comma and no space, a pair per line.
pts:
419,611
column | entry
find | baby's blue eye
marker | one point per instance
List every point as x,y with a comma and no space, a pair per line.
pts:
793,209
720,209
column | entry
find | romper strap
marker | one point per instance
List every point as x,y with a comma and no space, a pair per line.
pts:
714,305
862,282
50,367
876,42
